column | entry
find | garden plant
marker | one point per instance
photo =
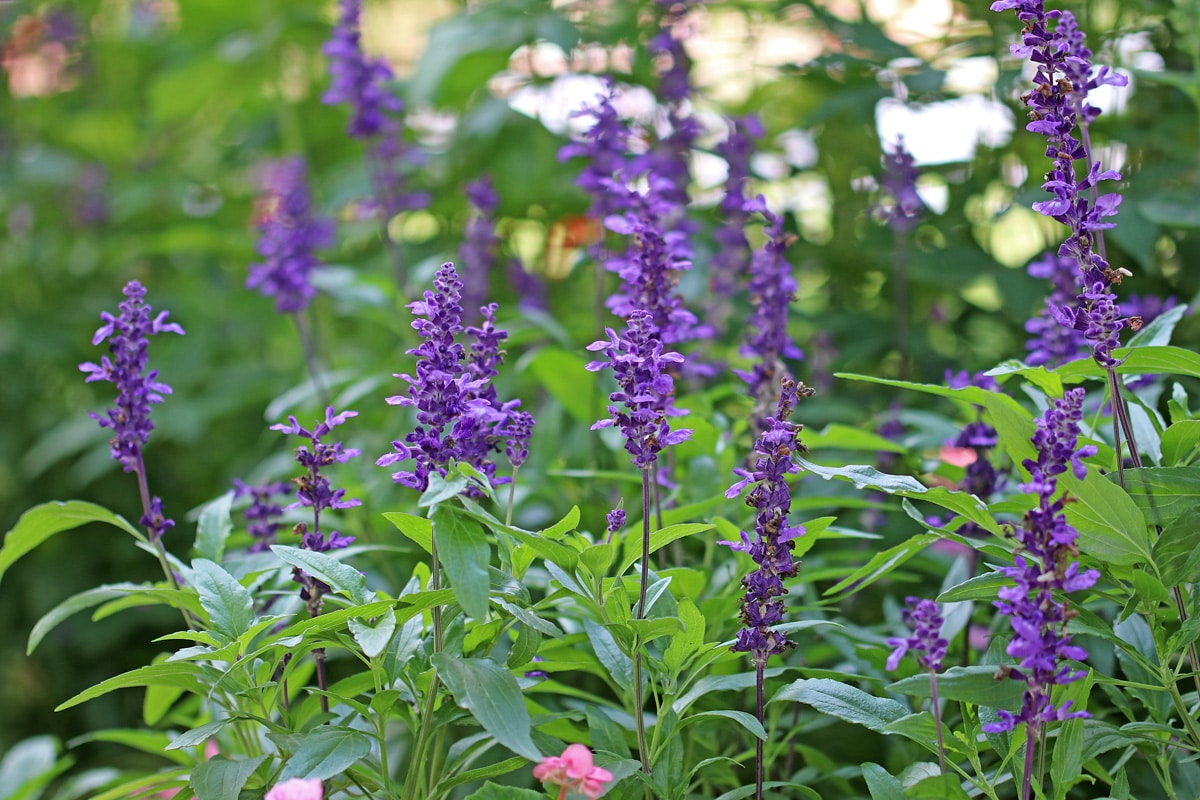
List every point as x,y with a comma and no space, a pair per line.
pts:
531,399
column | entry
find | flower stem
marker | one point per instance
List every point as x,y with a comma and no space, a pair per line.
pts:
1030,746
310,359
760,768
638,702
937,719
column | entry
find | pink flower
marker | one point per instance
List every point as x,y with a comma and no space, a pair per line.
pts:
297,789
574,769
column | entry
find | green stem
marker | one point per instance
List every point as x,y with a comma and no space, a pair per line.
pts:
512,490
638,702
760,768
937,719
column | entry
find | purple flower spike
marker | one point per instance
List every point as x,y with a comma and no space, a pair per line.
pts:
924,619
646,392
1059,111
359,81
614,521
731,261
128,341
901,206
477,256
762,606
263,513
289,233
1045,565
605,147
518,430
458,414
1054,344
772,289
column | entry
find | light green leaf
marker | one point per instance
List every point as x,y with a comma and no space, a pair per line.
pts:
843,701
42,522
1163,493
221,779
977,685
27,767
882,784
1111,528
1160,360
373,638
658,540
199,735
326,751
229,606
561,373
981,587
493,696
72,605
1180,443
883,563
747,721
341,578
441,489
214,528
418,529
183,674
464,553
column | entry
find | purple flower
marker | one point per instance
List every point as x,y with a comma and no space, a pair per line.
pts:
605,148
772,289
1045,565
762,606
614,521
671,158
263,513
924,619
288,235
477,255
1060,112
128,343
1054,344
458,415
900,206
517,430
643,402
314,491
357,80
732,257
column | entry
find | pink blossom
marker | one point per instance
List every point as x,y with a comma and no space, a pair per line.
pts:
297,789
574,769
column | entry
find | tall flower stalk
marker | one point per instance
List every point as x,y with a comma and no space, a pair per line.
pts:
771,498
1045,569
640,408
128,336
314,491
900,207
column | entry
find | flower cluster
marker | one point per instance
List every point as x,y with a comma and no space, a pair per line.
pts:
125,367
900,206
732,258
458,414
576,770
605,150
314,491
614,521
646,390
1057,105
263,513
288,235
477,255
517,431
924,619
772,289
762,606
671,159
981,478
1053,343
1046,565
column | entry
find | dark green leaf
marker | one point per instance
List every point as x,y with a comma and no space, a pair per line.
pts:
1177,551
658,540
41,522
882,784
1160,360
1111,529
327,751
493,791
1180,443
843,701
977,685
1163,493
221,779
183,674
73,605
493,696
561,373
464,554
883,563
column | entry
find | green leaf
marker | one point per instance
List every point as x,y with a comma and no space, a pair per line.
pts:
606,734
882,563
341,578
1163,493
493,791
229,606
464,553
561,373
882,784
619,665
199,735
441,489
1067,758
977,685
1161,360
981,587
221,779
326,751
1177,551
847,437
214,528
843,701
27,767
373,638
1180,443
42,522
72,605
937,787
182,674
1111,529
493,696
867,477
747,721
418,529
